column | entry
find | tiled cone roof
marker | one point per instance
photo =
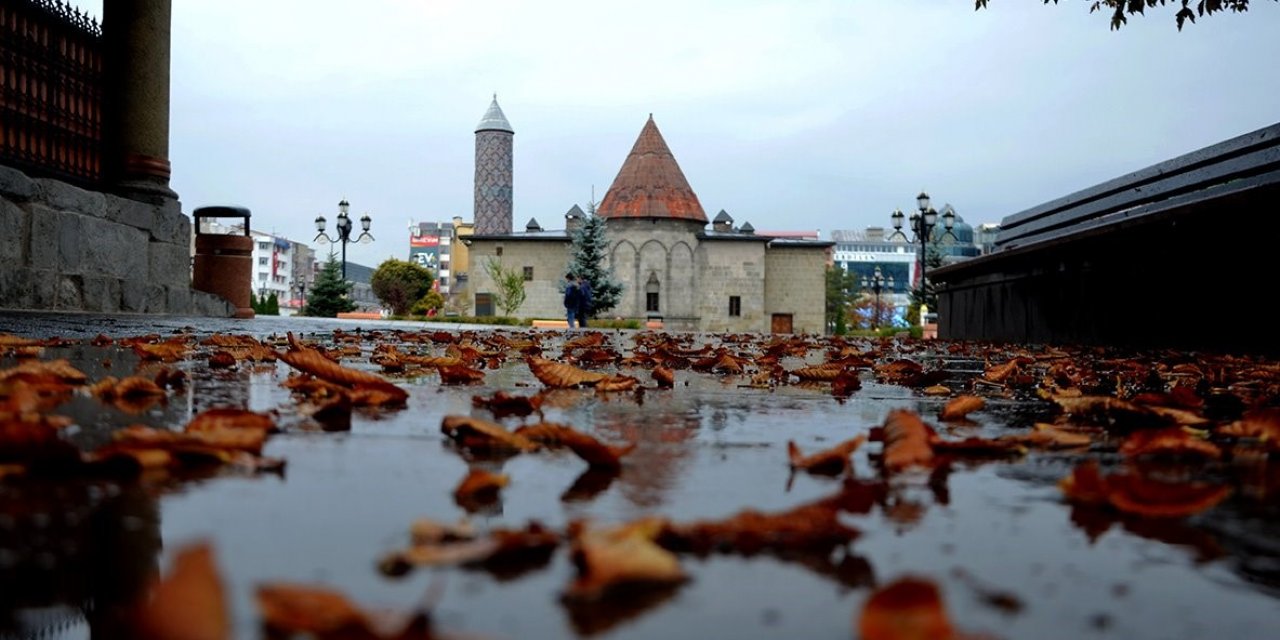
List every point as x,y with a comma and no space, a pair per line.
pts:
650,184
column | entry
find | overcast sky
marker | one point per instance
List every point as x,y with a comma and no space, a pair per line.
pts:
790,115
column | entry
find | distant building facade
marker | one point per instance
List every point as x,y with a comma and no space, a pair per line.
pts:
671,266
431,246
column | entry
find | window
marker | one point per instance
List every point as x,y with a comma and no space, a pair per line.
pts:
735,306
263,260
444,281
262,277
444,265
651,301
265,246
528,274
651,288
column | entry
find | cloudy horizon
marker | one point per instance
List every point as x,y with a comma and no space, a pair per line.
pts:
821,115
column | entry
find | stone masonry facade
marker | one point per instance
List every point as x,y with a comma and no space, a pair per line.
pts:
65,248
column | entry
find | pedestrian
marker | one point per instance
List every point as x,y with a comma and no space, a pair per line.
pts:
584,305
572,298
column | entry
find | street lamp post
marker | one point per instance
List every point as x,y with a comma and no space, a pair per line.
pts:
922,224
343,225
877,283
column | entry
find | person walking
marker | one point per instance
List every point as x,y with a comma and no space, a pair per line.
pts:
572,298
584,303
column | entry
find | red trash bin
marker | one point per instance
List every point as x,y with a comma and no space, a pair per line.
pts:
224,263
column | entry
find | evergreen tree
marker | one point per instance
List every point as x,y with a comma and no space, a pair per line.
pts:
329,295
254,303
589,250
272,306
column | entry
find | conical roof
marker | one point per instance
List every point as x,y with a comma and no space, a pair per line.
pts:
651,184
494,119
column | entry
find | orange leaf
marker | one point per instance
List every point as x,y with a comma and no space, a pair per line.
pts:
906,441
1172,441
831,461
460,374
216,419
595,453
294,608
313,362
958,408
559,375
478,434
617,383
666,377
624,555
189,603
478,487
908,609
819,373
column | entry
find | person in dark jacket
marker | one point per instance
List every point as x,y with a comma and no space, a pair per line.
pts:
572,297
584,303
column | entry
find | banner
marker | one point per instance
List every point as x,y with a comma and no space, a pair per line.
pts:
424,241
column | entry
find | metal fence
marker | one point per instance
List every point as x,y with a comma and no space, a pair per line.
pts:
51,90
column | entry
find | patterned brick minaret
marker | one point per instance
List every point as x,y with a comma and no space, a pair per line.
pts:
494,136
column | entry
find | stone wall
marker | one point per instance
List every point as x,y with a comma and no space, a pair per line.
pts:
549,259
65,248
731,268
796,285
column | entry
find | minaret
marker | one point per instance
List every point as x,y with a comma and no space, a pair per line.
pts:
494,136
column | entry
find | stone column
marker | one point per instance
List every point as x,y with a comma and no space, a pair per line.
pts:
136,36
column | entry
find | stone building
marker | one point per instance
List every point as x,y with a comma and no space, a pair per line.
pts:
671,266
90,223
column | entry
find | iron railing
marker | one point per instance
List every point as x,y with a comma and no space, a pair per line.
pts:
51,90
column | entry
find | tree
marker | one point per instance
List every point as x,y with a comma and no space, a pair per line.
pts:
927,293
587,258
271,306
400,283
1119,8
509,283
433,300
842,287
329,294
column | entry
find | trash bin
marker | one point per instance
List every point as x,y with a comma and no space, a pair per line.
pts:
224,263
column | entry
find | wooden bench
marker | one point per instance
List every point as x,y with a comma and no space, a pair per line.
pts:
550,324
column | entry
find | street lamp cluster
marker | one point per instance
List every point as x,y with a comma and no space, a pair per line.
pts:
877,283
343,226
922,224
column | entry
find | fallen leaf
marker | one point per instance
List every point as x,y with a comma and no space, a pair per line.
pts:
187,604
478,434
833,461
906,441
909,608
622,556
560,375
959,407
1171,441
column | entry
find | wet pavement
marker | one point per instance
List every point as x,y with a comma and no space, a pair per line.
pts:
1011,556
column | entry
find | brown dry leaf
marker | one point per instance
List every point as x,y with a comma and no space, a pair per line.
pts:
1135,494
1001,372
588,339
59,370
625,555
295,608
1171,441
595,453
189,603
665,377
503,404
8,340
227,418
909,608
1138,495
170,351
906,441
958,408
482,435
208,441
136,387
221,360
460,374
845,383
819,373
617,383
313,362
560,375
811,527
479,486
1048,436
1112,412
1263,424
833,461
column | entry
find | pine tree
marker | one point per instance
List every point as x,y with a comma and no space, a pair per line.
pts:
330,295
272,306
590,247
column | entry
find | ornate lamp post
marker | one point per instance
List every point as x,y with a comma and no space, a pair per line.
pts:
877,283
343,225
922,224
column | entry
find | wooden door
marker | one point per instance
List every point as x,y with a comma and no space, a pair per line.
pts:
781,323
